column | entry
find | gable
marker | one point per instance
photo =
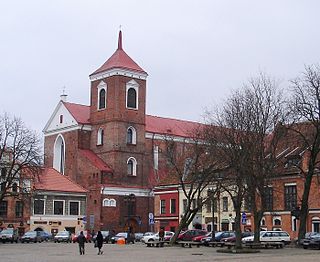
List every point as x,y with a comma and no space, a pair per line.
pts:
54,124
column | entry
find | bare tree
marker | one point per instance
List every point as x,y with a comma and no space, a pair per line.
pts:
247,119
20,157
194,167
305,109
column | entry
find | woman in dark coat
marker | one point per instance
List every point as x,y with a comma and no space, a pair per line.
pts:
99,240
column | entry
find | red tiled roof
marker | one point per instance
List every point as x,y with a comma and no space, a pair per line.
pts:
80,112
169,126
154,124
51,180
119,59
95,160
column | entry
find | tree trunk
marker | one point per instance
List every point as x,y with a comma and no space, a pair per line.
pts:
304,204
237,225
258,214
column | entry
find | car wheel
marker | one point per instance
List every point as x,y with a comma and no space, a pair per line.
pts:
305,247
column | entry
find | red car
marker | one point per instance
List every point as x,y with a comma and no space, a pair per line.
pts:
198,238
190,234
86,234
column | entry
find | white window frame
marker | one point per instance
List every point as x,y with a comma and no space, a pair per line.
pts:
134,135
100,134
294,224
44,207
164,201
102,85
109,202
134,170
132,84
63,209
79,206
274,219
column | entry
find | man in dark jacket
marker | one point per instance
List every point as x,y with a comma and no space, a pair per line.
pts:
99,240
81,240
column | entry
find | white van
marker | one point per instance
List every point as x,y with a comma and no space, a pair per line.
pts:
270,236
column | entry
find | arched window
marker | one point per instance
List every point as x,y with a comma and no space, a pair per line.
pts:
131,135
59,154
132,88
132,98
109,202
132,167
100,136
102,95
277,221
263,222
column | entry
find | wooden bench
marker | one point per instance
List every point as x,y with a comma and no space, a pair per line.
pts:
214,244
189,244
265,244
229,245
156,243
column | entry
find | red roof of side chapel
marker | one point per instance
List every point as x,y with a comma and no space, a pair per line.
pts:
154,124
95,160
51,180
119,59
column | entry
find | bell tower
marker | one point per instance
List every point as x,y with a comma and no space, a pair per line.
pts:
117,114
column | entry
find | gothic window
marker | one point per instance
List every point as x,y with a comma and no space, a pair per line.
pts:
38,207
131,135
290,197
59,154
102,95
132,167
100,137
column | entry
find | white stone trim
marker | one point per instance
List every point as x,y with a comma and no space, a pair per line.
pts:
166,192
68,129
134,167
165,218
53,217
44,193
118,71
166,137
102,85
290,184
120,191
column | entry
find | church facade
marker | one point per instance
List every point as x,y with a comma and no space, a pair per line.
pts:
110,147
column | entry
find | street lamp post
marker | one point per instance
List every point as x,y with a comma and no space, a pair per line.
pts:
212,211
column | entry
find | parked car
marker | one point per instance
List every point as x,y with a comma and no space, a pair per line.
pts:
115,238
313,241
32,236
270,236
189,234
138,236
199,238
9,235
217,237
62,236
105,235
86,234
46,235
233,237
155,237
307,236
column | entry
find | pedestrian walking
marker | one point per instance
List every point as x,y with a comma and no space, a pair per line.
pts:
99,240
81,240
161,234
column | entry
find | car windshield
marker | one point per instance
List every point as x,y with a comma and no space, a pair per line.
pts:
7,231
63,234
121,234
30,233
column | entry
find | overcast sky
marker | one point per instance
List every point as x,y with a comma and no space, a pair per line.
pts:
195,52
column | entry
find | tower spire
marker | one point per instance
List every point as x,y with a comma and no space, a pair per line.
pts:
120,40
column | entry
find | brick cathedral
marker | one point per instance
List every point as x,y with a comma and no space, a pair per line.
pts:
111,146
